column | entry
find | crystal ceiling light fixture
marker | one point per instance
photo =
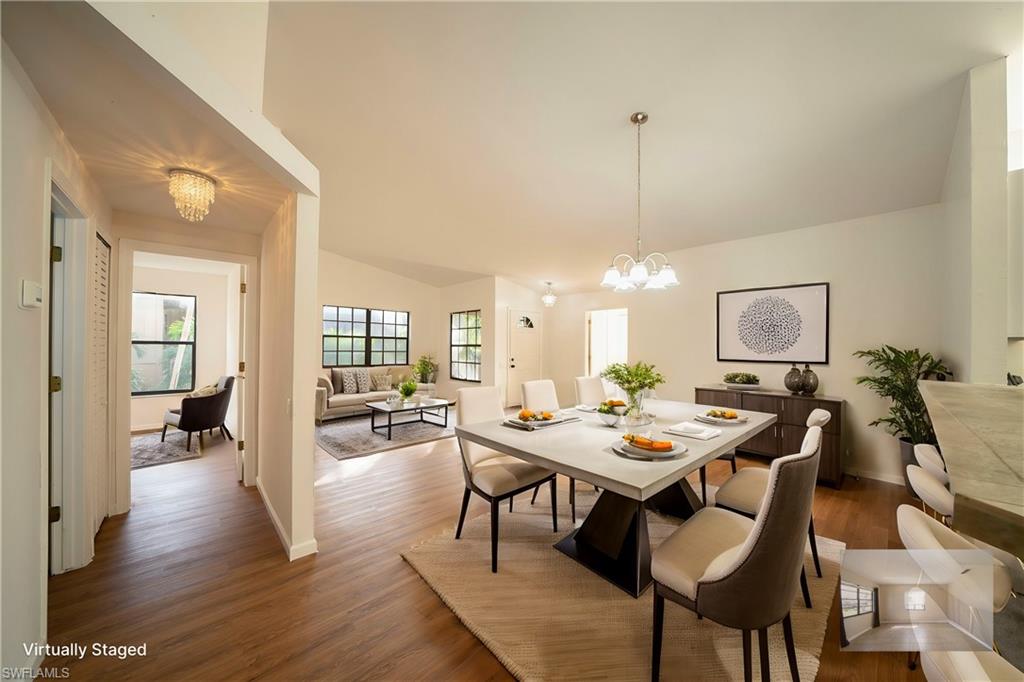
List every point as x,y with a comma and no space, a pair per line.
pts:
652,271
193,193
549,298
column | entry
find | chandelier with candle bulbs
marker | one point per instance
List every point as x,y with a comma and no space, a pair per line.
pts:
653,271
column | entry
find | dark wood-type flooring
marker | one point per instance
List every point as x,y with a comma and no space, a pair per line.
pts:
196,571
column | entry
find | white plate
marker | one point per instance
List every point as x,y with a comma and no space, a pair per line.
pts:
632,452
720,420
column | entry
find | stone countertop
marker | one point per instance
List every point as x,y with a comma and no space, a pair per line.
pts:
980,429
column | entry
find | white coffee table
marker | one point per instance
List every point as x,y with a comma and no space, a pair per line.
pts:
433,405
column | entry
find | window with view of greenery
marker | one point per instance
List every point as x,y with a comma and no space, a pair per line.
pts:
856,600
466,341
364,337
163,343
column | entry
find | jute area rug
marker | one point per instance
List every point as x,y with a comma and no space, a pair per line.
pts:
545,617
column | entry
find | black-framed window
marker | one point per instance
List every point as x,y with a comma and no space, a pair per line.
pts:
465,341
855,600
163,343
364,337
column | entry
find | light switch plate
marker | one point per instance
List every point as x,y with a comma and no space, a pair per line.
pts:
31,295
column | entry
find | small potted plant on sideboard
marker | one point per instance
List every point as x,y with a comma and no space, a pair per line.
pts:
897,374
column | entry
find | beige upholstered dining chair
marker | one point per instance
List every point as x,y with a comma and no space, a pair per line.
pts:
540,396
931,491
930,460
491,474
743,492
738,572
968,666
590,391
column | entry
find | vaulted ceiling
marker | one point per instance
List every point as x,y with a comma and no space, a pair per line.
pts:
455,139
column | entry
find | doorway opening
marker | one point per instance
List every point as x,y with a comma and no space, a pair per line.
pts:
607,339
187,342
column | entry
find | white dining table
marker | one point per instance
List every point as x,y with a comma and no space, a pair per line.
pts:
612,541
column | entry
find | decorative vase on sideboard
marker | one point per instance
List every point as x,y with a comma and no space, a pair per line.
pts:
808,381
794,380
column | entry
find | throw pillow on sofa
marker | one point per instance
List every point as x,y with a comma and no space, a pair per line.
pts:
381,382
348,381
362,379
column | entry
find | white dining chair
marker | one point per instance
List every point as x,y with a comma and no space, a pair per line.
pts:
490,474
930,460
590,391
540,396
931,491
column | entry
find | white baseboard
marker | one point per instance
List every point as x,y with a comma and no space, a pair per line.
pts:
292,550
875,476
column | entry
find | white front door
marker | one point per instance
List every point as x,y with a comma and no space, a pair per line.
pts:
524,352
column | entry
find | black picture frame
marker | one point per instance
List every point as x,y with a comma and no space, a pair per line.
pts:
808,361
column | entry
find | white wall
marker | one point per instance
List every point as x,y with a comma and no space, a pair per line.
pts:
885,288
511,296
231,36
975,231
33,148
343,281
892,604
478,294
288,315
211,292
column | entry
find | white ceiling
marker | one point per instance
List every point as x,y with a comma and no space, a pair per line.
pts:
465,138
128,131
164,261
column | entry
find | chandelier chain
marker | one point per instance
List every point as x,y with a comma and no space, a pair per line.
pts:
638,190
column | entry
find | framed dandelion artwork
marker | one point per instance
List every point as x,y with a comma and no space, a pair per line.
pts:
774,324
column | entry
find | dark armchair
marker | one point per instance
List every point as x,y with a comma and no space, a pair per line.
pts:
202,413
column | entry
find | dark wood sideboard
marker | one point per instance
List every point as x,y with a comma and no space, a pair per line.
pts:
786,435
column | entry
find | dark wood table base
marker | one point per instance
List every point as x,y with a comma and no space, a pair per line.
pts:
613,541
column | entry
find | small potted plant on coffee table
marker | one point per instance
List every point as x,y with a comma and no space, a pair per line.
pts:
408,389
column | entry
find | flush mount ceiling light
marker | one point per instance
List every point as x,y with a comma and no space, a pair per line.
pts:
652,271
193,193
549,298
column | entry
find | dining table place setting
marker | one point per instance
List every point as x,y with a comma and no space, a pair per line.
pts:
527,420
692,430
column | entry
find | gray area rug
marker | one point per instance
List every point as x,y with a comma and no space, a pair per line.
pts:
148,451
351,436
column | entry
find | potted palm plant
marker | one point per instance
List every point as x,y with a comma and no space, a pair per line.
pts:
897,373
634,380
425,369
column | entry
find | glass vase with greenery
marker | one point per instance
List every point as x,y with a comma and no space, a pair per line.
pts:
634,380
407,388
896,375
425,368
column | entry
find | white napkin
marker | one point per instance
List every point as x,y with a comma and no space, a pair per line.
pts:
691,430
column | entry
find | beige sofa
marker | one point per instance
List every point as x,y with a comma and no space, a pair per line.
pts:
332,402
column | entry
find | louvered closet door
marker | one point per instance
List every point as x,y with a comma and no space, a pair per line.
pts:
99,350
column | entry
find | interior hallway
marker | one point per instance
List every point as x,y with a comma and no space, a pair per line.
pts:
196,571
